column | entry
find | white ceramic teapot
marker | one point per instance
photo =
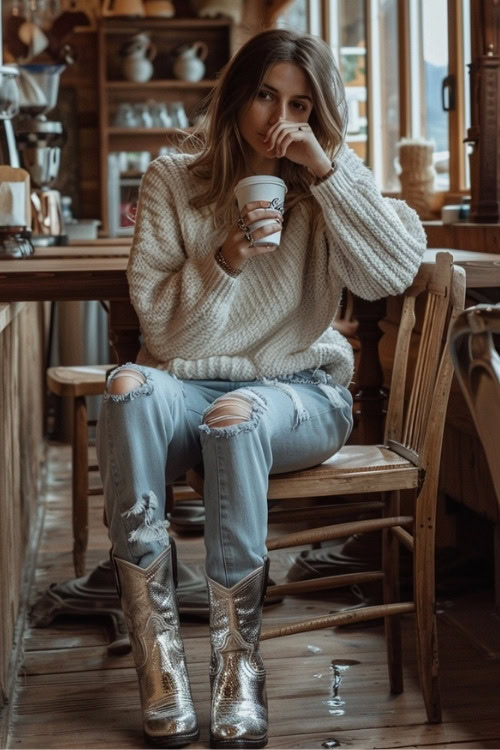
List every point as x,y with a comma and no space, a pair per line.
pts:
189,65
138,54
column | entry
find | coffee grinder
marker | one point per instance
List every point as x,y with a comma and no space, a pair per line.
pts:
39,142
15,212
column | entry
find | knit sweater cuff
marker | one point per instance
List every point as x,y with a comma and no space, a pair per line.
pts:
212,277
343,176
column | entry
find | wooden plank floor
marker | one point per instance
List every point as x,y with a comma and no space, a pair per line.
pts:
326,689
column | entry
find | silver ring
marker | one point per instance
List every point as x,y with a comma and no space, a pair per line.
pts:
242,225
249,239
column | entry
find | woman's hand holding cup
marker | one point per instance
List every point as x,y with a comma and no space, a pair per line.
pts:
241,242
261,202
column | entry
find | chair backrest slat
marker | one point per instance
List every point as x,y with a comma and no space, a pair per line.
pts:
425,370
395,409
409,414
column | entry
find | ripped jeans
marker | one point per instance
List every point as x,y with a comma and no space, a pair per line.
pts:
148,438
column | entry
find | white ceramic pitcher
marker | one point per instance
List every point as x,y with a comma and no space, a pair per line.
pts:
138,54
189,65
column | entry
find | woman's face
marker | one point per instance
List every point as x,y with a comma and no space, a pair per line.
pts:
285,93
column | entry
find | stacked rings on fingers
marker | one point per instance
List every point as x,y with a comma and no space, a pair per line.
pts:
242,225
249,238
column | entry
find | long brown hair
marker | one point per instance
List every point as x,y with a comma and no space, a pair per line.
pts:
222,152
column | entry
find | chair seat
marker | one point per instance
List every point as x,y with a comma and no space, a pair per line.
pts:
78,380
354,469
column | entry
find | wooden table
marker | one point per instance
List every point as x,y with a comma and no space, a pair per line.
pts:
74,273
97,271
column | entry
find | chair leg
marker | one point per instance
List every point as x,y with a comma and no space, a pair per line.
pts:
390,567
80,485
426,626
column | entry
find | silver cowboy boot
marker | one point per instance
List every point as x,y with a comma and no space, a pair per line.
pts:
149,603
238,715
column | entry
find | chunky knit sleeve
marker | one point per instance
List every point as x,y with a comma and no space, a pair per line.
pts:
376,243
180,295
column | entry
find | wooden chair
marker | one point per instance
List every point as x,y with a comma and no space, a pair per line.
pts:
477,366
408,460
77,383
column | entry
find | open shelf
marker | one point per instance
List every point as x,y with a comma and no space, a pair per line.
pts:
158,23
168,83
167,37
147,131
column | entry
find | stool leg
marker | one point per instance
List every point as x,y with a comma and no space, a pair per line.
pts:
80,485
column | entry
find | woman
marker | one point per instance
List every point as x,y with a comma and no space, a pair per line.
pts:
241,371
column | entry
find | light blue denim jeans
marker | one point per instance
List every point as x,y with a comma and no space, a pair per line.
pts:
149,437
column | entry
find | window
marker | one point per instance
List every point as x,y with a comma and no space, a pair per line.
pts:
295,17
404,65
347,37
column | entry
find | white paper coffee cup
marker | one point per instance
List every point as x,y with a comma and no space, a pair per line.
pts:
262,187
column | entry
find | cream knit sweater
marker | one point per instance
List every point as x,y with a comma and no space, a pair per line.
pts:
274,318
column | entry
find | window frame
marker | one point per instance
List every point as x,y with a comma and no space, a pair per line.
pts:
409,108
411,102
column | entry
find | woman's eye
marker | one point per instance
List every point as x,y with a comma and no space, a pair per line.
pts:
264,95
298,106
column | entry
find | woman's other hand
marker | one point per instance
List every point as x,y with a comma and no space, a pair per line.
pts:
297,142
239,244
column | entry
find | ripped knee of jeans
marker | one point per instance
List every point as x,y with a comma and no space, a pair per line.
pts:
233,413
126,383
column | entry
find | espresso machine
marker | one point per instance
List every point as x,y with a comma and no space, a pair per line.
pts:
39,141
15,210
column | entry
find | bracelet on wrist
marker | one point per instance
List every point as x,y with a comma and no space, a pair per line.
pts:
326,176
222,262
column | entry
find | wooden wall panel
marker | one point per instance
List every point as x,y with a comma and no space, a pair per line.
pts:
21,458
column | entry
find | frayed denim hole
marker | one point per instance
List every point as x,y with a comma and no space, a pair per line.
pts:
333,394
321,376
317,377
150,529
300,413
146,389
259,406
127,366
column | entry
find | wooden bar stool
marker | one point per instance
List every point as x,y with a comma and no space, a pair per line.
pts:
78,382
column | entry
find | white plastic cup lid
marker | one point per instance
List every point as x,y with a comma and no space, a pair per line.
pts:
258,179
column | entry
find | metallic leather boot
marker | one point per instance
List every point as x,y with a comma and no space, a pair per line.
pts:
149,603
238,715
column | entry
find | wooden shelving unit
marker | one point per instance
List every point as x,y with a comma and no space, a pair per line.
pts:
172,83
167,35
